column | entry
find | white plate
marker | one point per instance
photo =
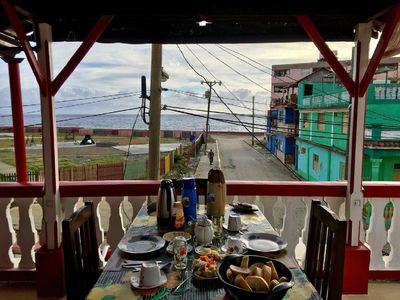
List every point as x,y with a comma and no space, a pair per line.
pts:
263,242
199,249
141,244
135,279
170,248
225,249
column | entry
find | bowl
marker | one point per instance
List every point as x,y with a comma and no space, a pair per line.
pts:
238,293
169,236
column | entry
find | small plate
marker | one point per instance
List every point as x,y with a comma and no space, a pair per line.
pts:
243,207
169,236
225,226
201,250
225,249
170,248
141,244
135,279
263,242
197,276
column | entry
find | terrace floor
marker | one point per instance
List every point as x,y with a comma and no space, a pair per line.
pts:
381,290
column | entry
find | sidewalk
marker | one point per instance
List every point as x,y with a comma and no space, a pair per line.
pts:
204,165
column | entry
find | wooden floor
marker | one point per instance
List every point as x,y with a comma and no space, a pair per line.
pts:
376,290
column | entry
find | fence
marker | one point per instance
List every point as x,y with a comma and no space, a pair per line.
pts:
12,177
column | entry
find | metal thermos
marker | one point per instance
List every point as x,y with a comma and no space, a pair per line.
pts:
165,202
216,193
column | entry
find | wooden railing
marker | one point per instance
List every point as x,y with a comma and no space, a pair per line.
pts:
285,204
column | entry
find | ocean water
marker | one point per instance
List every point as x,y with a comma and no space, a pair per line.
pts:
217,122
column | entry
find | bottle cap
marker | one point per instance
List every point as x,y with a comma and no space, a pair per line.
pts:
189,182
178,204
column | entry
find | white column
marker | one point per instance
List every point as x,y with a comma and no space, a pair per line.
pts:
354,185
51,198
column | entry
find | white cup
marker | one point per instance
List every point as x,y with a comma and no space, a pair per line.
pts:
150,274
234,245
234,222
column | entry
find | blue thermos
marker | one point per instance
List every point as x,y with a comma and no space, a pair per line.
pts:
189,198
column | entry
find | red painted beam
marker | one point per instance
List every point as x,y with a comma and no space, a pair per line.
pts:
18,119
381,189
93,36
19,29
330,57
384,40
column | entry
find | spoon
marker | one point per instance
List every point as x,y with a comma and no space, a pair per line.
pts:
282,286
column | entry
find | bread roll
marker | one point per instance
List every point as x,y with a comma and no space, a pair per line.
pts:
240,282
238,270
257,283
274,273
245,262
266,273
230,276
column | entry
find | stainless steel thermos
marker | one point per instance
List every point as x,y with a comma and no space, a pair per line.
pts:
165,202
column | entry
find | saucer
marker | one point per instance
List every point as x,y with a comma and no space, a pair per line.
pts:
225,226
225,249
135,279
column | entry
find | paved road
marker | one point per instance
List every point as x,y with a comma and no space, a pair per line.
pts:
240,161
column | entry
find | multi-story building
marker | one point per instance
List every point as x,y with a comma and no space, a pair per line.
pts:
321,146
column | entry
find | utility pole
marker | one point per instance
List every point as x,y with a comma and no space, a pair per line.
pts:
210,85
155,112
252,136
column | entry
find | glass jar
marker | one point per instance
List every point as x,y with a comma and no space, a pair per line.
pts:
180,253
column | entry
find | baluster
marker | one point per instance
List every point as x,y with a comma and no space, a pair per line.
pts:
376,234
300,250
115,229
278,211
6,234
68,204
393,236
25,236
293,222
42,234
268,203
99,221
137,203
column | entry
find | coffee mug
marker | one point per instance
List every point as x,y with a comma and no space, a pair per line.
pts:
150,274
234,222
234,245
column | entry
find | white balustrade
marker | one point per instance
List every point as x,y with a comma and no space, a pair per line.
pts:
288,215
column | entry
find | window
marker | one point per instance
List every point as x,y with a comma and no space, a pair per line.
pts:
278,89
342,171
305,120
345,123
321,121
396,166
280,73
315,163
302,150
308,89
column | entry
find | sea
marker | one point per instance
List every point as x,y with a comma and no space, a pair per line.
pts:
217,122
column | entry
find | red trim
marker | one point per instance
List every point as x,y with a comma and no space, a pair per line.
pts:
234,187
330,57
20,31
97,30
384,275
18,120
380,48
19,190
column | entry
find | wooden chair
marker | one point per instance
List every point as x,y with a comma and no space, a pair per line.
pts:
324,262
81,256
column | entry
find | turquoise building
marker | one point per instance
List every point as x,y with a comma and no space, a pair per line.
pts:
321,146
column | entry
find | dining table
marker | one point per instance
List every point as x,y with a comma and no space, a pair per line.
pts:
115,279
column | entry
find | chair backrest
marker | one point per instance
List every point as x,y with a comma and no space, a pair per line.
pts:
81,256
324,262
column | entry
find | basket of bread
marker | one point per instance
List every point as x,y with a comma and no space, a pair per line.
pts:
254,277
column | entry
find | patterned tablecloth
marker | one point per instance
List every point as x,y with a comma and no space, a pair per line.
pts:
114,282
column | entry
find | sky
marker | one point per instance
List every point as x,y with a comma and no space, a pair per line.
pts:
110,69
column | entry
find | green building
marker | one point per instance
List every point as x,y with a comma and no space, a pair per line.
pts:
321,147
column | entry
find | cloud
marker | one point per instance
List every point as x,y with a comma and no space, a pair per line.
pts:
117,68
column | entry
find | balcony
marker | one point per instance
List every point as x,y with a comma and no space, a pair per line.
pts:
285,204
